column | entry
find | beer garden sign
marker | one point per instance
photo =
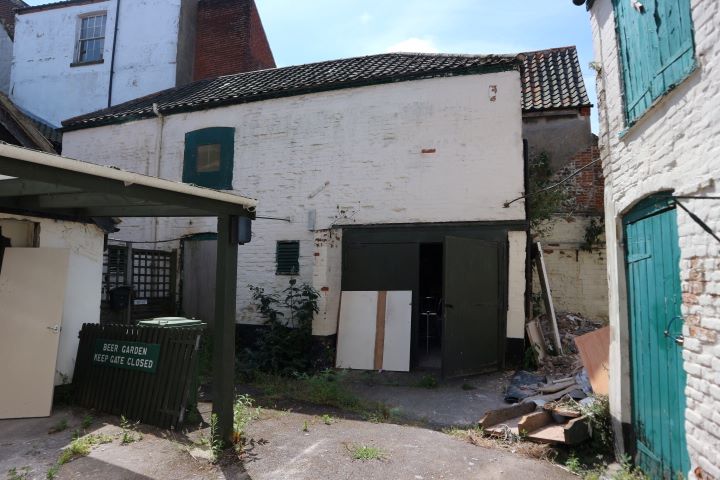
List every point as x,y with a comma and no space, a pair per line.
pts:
129,355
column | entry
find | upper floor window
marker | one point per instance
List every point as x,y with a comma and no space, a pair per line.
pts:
91,38
209,157
657,51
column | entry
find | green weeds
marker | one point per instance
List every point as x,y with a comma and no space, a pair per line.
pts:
59,426
366,452
22,473
81,447
244,412
427,381
129,432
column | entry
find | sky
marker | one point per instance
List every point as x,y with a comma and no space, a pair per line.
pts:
314,30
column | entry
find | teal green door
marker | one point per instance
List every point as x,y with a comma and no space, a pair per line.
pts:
654,298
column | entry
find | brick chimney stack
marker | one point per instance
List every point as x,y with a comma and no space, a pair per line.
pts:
230,39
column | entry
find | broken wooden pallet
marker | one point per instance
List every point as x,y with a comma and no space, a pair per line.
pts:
522,420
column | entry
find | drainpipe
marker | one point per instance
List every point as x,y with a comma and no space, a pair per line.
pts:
158,155
112,55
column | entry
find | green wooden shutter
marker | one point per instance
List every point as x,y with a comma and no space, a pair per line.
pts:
288,257
220,179
656,50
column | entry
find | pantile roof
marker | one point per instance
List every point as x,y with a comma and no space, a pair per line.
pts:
551,80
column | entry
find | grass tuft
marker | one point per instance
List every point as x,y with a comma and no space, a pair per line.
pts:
367,452
59,426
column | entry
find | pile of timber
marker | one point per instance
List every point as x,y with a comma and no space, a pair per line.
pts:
537,424
572,352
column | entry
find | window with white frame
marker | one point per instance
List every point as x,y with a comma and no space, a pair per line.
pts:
91,38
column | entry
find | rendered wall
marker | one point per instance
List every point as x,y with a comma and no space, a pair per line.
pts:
674,146
82,296
560,135
44,83
436,150
578,278
6,50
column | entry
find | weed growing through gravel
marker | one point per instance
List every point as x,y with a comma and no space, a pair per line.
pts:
244,412
52,472
87,421
59,426
427,381
23,473
129,431
327,419
216,443
366,452
82,446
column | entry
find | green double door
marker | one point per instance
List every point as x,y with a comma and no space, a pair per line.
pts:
655,323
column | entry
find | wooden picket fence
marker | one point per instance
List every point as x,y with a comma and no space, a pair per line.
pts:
157,398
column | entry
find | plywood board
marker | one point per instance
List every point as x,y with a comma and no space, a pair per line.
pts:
547,297
398,321
594,348
32,296
356,330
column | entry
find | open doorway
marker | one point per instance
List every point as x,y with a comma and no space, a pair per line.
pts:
430,296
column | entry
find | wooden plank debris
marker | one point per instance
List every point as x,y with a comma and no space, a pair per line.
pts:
594,348
534,421
493,417
547,297
537,340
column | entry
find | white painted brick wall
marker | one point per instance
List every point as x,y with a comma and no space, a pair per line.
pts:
366,142
6,49
676,146
44,83
578,278
83,290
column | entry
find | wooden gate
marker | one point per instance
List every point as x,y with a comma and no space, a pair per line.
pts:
151,274
156,395
654,299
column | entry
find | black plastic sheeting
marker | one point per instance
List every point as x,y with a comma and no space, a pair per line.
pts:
522,385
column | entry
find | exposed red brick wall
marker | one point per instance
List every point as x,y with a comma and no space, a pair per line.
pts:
587,188
230,39
7,14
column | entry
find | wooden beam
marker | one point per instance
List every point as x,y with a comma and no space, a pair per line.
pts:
224,326
547,297
380,330
92,183
18,187
493,417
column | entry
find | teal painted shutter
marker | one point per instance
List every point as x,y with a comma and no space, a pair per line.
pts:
656,50
220,179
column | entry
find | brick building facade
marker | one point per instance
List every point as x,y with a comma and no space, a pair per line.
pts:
230,39
669,146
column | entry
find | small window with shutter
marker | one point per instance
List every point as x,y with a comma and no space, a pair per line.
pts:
287,257
209,158
656,47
